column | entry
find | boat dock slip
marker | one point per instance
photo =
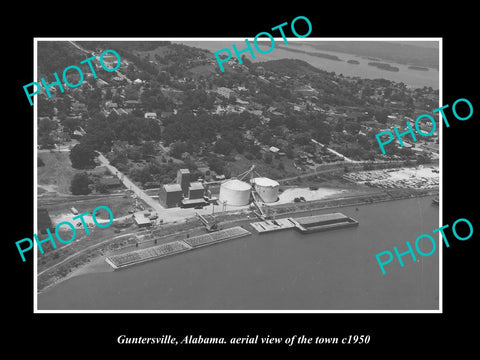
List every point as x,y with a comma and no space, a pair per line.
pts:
324,222
273,225
156,252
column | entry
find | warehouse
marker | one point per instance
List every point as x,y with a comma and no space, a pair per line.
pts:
183,179
196,190
141,220
170,195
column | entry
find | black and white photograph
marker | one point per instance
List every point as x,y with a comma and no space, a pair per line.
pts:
238,180
211,178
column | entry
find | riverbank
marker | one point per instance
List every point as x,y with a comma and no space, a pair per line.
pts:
96,262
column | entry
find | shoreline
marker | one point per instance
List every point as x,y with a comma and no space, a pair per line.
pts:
98,264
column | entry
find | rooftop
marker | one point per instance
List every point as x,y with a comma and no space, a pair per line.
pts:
172,187
196,186
140,218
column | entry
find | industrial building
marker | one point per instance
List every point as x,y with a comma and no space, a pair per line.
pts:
196,190
141,220
170,195
233,192
184,193
183,179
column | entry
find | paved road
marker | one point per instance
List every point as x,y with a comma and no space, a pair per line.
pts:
154,204
80,48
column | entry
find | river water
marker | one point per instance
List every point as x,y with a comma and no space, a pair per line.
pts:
411,78
334,270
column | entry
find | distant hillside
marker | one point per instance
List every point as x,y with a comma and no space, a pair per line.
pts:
129,46
399,52
290,67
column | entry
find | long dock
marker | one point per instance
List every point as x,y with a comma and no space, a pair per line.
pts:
306,224
273,225
156,252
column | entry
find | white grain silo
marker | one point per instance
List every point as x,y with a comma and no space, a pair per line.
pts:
266,188
235,193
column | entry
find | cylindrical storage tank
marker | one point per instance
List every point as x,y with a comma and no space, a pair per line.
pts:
266,188
235,193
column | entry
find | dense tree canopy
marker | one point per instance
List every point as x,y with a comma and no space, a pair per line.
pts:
79,184
82,156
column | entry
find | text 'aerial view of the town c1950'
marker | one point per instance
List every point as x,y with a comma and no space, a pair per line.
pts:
262,187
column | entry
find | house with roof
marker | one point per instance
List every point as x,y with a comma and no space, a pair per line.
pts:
150,115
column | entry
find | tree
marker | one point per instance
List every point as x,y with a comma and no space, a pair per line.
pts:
423,159
145,175
217,165
268,158
46,125
290,152
381,116
45,106
223,146
82,156
246,61
339,126
70,124
148,148
46,142
177,149
79,184
101,188
352,127
302,139
108,94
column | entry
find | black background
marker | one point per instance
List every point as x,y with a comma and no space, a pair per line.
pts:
95,334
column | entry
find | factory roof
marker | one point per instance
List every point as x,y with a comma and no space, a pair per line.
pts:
196,186
194,202
172,187
140,218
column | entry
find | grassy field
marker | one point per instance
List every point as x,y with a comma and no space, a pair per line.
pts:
57,171
61,206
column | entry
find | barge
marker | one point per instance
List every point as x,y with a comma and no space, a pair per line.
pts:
323,222
307,224
120,261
